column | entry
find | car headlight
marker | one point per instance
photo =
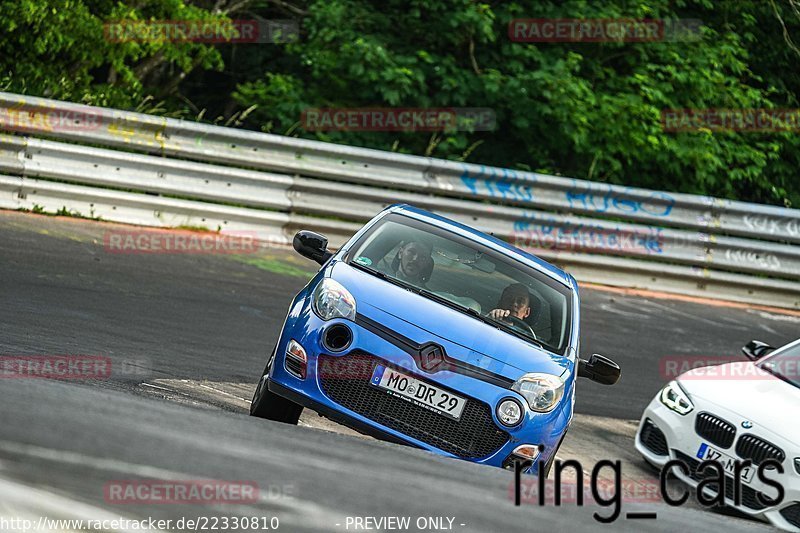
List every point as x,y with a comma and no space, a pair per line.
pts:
542,391
331,300
673,397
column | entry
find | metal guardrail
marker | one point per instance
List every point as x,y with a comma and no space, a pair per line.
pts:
224,178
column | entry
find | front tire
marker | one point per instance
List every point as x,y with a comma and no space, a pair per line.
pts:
267,404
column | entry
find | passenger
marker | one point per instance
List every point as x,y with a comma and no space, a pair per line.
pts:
413,263
515,301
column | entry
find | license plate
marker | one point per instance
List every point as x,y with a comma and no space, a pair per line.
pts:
707,453
418,392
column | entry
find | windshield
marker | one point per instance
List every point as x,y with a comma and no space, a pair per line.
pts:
469,277
784,364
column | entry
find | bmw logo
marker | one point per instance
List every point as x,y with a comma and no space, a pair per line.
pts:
747,424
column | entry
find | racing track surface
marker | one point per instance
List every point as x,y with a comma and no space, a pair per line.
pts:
201,321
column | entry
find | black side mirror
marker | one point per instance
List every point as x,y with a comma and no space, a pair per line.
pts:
755,350
599,369
312,245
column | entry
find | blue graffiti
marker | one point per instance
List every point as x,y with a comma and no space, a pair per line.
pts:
601,198
503,183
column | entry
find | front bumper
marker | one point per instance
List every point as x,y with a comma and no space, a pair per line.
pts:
306,328
681,442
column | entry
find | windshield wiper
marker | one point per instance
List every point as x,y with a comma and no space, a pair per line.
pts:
483,318
384,276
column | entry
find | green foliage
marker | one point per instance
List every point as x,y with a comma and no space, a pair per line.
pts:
585,110
64,49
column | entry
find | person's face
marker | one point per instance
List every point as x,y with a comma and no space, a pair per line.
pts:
520,306
413,259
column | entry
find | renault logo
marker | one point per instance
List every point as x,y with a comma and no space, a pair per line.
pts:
430,357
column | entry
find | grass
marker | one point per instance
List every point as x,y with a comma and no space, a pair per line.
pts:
275,266
192,228
63,212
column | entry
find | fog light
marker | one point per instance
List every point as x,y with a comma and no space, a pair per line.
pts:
527,451
296,360
509,412
337,337
797,465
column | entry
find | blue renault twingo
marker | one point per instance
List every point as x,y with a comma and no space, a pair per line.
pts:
425,332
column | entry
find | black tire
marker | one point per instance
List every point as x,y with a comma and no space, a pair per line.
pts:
267,404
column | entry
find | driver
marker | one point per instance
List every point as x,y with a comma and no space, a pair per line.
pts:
515,301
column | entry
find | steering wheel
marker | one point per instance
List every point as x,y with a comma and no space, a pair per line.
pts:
520,324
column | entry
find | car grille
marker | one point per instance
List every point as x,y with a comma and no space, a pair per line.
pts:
792,514
653,438
758,450
474,436
715,430
749,499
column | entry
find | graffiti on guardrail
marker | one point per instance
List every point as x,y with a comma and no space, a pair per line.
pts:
747,257
772,226
502,183
130,131
541,233
602,198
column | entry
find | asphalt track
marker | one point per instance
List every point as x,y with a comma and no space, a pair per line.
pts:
213,319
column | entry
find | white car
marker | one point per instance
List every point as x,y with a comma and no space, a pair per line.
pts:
729,413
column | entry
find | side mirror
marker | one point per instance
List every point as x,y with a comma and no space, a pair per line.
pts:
755,350
599,369
312,245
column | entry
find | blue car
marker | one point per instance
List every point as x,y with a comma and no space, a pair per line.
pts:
425,332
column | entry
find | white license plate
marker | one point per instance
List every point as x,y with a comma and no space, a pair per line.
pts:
418,392
707,453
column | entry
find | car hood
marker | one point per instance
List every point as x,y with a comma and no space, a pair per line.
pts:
424,320
745,389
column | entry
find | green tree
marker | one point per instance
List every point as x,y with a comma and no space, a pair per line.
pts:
585,110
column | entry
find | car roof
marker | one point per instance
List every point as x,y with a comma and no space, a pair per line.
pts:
484,238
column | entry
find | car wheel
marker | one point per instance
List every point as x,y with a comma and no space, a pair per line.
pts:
267,404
